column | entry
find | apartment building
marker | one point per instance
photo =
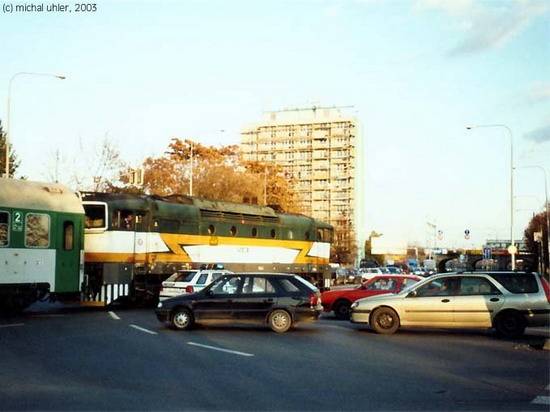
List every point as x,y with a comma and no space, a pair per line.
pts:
318,146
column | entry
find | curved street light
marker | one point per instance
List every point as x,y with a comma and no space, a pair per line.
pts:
512,246
8,122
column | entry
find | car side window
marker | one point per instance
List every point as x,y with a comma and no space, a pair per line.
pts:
257,285
202,279
477,286
382,284
288,286
438,287
227,286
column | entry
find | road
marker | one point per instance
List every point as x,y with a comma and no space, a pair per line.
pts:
82,359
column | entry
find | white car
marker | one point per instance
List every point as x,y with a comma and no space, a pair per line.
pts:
506,301
369,273
189,281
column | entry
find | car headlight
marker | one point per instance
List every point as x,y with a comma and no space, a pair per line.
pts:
354,305
159,305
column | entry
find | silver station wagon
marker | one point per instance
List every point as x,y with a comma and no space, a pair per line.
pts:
506,301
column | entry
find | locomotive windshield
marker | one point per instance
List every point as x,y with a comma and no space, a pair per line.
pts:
95,215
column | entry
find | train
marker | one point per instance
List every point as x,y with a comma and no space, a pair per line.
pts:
97,248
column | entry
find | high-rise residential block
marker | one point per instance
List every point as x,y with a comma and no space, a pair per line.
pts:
318,147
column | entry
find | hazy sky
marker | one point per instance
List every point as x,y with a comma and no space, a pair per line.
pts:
417,72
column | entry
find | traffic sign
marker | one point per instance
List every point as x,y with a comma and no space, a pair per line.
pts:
467,234
487,253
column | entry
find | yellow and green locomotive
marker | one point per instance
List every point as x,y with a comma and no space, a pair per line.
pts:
41,242
133,242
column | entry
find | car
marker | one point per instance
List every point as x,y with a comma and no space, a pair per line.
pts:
274,299
340,300
369,273
189,281
506,301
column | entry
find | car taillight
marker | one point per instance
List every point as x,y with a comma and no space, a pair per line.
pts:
314,299
546,287
189,289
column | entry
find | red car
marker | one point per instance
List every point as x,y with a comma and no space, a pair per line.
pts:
340,300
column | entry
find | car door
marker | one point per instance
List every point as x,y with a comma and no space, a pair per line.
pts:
477,300
217,301
431,304
256,300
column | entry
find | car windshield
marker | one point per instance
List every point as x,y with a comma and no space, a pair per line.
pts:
182,276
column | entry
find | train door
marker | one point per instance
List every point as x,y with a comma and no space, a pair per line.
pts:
68,247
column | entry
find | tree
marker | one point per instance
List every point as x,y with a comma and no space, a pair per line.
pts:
344,248
538,224
218,174
14,161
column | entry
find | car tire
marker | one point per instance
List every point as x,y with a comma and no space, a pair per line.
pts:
342,309
182,319
280,321
385,321
510,325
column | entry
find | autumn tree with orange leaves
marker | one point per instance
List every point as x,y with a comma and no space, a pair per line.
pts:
218,174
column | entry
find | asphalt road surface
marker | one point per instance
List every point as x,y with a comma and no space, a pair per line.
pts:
82,359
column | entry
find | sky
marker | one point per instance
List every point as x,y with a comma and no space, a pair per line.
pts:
417,73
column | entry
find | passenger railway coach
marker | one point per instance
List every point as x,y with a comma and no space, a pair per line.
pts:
134,242
41,242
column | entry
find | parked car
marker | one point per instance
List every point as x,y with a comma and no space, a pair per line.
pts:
340,300
506,301
278,300
189,281
369,273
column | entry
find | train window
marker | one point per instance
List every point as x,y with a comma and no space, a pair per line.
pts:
95,215
37,230
290,234
68,235
273,233
307,235
211,230
123,219
233,230
4,228
254,232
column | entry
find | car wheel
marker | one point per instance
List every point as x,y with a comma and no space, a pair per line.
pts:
510,325
342,310
182,319
280,321
385,321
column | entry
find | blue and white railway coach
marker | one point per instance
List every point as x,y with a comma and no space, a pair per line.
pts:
134,242
41,242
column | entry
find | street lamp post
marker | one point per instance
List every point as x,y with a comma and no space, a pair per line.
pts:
512,246
8,111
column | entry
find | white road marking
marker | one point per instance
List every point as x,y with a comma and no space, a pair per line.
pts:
12,325
143,329
113,315
234,352
542,400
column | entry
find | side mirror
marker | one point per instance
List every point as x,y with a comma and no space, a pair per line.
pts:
413,294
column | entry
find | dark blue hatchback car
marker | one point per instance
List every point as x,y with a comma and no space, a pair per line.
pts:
277,300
